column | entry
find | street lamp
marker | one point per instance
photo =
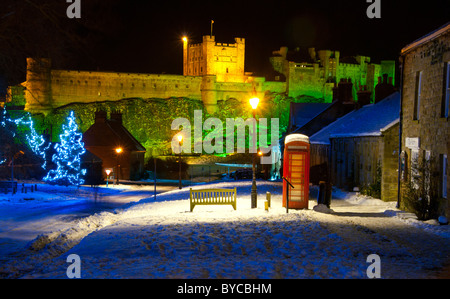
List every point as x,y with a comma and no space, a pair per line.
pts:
119,150
180,139
254,103
108,171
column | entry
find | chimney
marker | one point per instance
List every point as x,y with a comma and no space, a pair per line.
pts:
344,93
363,96
335,92
384,88
100,116
116,116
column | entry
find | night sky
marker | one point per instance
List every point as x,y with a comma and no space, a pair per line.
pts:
145,36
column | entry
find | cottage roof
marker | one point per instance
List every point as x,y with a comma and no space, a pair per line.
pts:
370,120
428,37
111,133
302,113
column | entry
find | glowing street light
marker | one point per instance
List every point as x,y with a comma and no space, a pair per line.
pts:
119,150
254,103
185,39
108,171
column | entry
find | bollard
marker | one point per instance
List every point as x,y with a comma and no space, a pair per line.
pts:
268,196
266,205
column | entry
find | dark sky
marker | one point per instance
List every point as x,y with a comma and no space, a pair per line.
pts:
145,36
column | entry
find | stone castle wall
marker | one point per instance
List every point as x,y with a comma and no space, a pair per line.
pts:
47,89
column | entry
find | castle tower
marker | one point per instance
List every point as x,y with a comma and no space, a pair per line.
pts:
224,60
38,85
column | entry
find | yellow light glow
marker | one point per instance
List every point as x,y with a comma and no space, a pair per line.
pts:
260,153
254,102
184,39
180,137
119,150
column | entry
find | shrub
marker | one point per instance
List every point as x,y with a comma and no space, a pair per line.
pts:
420,192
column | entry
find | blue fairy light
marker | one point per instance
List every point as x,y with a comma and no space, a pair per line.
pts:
68,156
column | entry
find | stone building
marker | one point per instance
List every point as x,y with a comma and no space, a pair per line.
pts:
425,120
361,148
226,61
314,73
212,72
105,136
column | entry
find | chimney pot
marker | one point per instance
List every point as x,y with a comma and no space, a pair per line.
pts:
100,116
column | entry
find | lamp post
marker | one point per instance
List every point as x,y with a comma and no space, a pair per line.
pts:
119,150
254,103
108,171
180,139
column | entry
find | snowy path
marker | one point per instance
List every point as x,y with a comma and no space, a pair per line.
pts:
24,216
162,239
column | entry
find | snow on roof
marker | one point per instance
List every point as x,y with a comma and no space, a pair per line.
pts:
296,137
370,120
428,37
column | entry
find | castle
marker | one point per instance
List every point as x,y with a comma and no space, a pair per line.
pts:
315,73
212,71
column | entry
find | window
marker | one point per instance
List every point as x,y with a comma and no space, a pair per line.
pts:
443,177
403,160
417,96
415,168
446,93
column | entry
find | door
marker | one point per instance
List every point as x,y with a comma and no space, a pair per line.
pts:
297,166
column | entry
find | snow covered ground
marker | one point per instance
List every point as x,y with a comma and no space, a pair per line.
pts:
162,239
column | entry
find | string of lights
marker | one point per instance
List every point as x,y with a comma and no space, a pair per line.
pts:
68,156
36,142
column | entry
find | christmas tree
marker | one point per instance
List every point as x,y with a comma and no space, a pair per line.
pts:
68,156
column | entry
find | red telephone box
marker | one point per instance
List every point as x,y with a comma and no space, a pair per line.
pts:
296,170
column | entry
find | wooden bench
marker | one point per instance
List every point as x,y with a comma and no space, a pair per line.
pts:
212,197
